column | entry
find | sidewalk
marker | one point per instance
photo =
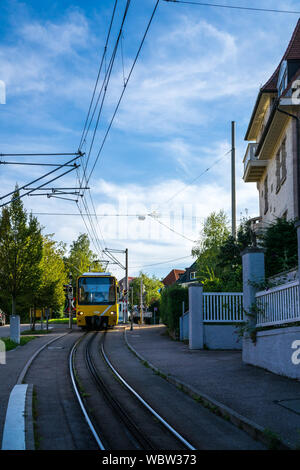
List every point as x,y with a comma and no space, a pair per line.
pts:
15,361
263,403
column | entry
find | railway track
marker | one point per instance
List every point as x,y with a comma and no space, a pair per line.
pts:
131,420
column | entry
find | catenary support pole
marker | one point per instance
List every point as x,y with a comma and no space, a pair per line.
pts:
233,195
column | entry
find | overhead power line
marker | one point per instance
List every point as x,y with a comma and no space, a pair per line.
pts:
189,183
162,262
123,91
235,7
103,87
99,72
44,176
172,230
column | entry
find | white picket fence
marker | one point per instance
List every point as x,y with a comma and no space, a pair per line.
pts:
278,305
225,307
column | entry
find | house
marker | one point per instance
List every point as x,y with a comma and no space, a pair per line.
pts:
189,276
122,283
172,277
272,156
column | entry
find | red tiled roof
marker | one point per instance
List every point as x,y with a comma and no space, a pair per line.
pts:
172,277
292,52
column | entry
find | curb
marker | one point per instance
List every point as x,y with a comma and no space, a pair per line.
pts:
256,431
14,428
29,432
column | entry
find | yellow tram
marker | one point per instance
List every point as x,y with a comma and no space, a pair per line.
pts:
97,300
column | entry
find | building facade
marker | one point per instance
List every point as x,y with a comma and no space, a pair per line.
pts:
272,155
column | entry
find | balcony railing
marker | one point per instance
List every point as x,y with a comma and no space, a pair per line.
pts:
250,154
253,166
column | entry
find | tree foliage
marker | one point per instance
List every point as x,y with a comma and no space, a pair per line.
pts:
81,258
280,243
20,256
219,261
171,306
152,285
53,275
215,232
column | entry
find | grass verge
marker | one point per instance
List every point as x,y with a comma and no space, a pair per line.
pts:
9,344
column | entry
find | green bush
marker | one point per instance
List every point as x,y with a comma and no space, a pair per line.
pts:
280,243
171,306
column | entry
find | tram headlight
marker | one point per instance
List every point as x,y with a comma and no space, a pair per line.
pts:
112,313
80,313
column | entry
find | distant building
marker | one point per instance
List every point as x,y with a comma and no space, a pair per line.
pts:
189,276
122,283
172,277
272,157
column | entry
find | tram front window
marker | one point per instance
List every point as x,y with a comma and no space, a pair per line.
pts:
96,290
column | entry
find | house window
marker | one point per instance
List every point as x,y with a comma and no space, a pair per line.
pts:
266,194
282,77
281,165
193,275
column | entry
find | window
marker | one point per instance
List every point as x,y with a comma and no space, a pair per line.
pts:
96,291
266,194
281,165
282,78
193,275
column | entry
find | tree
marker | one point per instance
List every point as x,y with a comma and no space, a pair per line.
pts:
214,234
280,243
20,255
152,285
81,258
229,260
53,275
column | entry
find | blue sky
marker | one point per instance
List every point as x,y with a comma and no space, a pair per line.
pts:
200,68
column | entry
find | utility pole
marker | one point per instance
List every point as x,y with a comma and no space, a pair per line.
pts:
141,302
125,298
126,286
233,198
131,315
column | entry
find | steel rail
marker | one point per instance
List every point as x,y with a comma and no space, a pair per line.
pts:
77,393
142,442
162,421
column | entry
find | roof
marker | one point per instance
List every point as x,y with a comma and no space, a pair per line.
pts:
185,277
292,53
172,277
90,273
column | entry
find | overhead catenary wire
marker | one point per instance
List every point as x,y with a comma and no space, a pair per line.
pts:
123,91
110,124
99,71
59,167
234,7
104,86
39,187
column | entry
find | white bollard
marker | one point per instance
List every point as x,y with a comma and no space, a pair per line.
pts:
15,328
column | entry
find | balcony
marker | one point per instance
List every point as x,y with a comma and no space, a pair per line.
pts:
253,167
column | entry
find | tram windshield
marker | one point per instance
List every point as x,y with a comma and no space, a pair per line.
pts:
96,291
